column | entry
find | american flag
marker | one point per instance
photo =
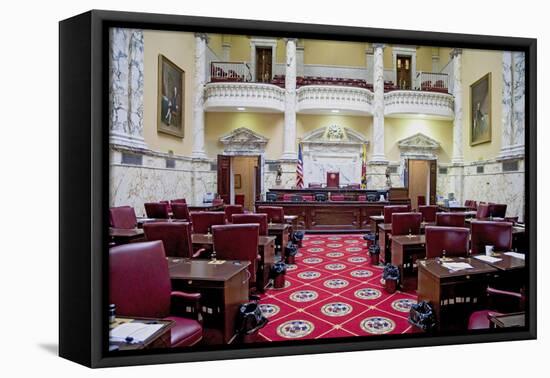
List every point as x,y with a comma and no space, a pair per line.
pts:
300,169
364,167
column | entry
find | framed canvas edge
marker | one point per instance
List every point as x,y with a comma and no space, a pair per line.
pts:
100,189
160,127
489,76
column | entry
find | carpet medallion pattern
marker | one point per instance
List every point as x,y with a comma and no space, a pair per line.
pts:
332,291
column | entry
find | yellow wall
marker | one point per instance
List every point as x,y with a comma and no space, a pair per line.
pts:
215,44
268,125
178,47
240,48
334,53
424,59
400,128
475,65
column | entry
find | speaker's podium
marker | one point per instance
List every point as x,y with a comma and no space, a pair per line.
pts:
333,179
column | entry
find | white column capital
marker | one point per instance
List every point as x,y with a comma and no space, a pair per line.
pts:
379,46
455,53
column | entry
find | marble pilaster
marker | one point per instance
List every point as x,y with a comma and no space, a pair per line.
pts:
126,87
198,100
289,138
458,154
378,155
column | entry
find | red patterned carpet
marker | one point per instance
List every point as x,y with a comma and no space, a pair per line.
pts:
333,291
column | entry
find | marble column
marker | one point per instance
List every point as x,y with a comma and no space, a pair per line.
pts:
289,141
126,88
378,155
513,105
458,154
198,100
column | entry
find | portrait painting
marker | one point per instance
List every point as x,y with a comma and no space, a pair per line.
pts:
480,111
171,85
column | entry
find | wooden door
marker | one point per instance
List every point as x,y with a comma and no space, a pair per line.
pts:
258,179
263,64
403,72
224,178
433,182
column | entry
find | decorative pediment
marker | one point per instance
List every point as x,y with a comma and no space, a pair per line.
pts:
243,140
419,142
334,134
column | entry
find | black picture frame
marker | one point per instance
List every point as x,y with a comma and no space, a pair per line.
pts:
84,175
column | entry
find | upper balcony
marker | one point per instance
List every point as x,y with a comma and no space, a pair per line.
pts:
231,89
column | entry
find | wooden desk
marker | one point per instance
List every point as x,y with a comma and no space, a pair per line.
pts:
292,220
374,221
453,209
126,235
223,288
281,233
516,319
207,206
453,294
384,241
266,250
512,274
142,221
160,339
405,251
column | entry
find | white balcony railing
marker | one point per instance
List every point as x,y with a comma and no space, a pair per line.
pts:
432,81
311,98
230,72
230,96
434,104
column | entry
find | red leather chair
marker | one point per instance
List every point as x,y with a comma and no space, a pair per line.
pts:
180,211
361,198
428,213
217,201
514,302
156,210
122,217
471,204
260,219
497,234
275,214
497,210
389,210
482,211
178,200
239,199
421,201
204,220
402,223
287,197
232,209
452,240
167,203
450,219
337,197
238,242
175,237
307,198
139,285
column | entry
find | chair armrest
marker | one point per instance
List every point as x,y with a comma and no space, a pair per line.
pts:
186,305
199,253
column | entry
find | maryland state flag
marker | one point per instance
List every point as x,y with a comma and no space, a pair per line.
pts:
364,168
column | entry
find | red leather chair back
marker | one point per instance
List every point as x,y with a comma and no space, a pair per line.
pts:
203,220
156,210
452,240
361,197
239,199
287,197
175,237
180,211
421,200
450,219
217,201
307,198
122,217
471,204
167,203
428,213
139,282
237,242
401,223
337,197
482,211
178,200
497,234
275,214
389,210
260,219
497,210
232,209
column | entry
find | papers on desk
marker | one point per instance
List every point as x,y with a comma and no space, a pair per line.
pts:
516,255
456,266
216,262
489,259
133,333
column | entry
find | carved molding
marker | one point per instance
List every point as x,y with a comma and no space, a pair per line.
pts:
419,146
333,135
419,102
243,141
322,97
251,95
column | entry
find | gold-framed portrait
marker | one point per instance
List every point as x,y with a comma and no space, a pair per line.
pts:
480,111
170,98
